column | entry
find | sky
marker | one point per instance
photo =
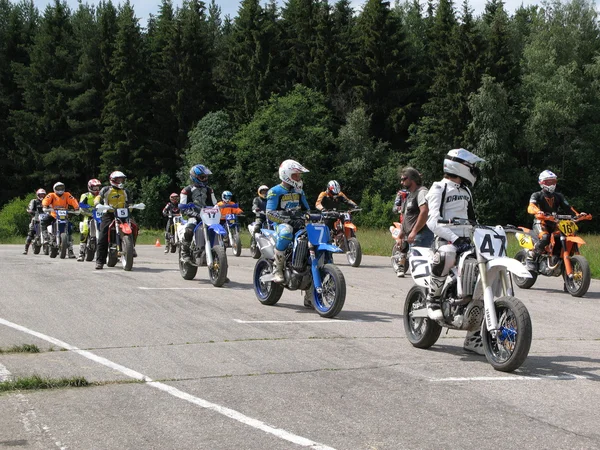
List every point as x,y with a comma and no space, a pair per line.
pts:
143,8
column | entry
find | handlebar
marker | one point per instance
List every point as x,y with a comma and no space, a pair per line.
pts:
458,221
69,211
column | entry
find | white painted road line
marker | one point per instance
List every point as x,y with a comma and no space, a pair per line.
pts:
232,414
143,288
293,321
514,378
4,373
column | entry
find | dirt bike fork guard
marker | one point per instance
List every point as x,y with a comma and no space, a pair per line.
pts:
314,267
566,256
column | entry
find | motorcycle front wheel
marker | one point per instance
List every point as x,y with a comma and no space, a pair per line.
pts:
268,293
354,254
524,283
112,257
64,245
331,300
37,247
579,284
53,251
172,245
187,271
421,332
90,250
509,349
254,250
237,243
127,252
218,270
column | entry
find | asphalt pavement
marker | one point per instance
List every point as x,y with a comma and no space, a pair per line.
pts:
182,365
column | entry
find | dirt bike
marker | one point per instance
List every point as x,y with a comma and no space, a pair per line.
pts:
60,232
254,248
93,226
232,226
121,235
308,267
172,238
477,295
38,239
213,251
344,234
397,253
561,256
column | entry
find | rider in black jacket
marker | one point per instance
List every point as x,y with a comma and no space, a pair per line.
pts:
259,206
35,205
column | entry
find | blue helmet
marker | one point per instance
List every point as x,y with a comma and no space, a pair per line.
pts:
199,175
226,196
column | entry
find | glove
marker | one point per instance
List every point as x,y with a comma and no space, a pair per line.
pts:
297,223
462,245
541,215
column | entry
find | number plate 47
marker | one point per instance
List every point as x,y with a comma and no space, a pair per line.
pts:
490,243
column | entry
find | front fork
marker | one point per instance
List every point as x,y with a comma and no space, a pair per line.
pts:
491,320
314,268
566,254
207,246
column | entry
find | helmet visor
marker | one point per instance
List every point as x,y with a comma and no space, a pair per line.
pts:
548,182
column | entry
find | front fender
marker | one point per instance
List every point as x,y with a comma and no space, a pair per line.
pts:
576,240
329,248
511,264
218,228
125,228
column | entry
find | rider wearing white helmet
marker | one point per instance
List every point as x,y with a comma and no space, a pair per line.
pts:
259,206
35,206
283,203
542,205
448,199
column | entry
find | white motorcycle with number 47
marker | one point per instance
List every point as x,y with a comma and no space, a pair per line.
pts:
478,295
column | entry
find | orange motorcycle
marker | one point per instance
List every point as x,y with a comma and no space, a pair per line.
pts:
343,234
561,256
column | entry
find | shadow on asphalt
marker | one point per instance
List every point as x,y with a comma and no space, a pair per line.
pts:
152,269
589,294
362,316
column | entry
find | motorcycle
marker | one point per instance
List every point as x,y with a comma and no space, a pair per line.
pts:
344,234
60,232
213,251
93,225
254,248
121,233
398,256
232,227
561,257
38,239
477,295
308,266
172,238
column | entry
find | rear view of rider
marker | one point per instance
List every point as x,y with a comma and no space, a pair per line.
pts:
542,205
87,198
116,196
200,194
58,199
35,205
171,209
259,206
448,199
283,203
333,198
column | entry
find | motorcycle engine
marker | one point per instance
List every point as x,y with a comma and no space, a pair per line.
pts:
550,267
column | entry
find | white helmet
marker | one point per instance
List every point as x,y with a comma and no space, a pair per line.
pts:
333,187
547,181
460,162
261,188
287,169
114,176
59,188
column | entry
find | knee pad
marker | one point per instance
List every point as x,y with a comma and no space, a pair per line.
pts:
285,235
188,234
443,260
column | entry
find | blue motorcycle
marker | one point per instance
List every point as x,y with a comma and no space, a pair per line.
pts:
209,230
308,267
91,226
60,232
232,227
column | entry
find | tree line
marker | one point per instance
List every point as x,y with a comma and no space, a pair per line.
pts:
350,94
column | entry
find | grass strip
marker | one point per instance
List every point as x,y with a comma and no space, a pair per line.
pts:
36,382
25,348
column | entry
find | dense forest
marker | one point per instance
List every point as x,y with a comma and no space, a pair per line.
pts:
350,94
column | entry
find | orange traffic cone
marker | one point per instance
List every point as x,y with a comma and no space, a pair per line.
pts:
157,243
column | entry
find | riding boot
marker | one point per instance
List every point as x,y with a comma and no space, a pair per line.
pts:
81,252
186,255
46,235
308,297
401,265
278,267
26,248
434,307
70,252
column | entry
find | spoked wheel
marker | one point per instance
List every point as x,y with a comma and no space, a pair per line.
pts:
236,245
268,293
254,250
218,270
64,245
187,271
354,254
579,283
127,252
524,283
331,300
421,332
510,347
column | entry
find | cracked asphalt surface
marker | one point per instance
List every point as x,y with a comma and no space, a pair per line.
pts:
229,373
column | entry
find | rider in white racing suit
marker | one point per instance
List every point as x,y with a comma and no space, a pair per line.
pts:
448,199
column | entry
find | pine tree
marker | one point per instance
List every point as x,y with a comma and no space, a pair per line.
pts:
299,19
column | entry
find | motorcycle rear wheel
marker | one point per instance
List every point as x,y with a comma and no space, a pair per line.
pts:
64,245
354,254
330,302
218,271
580,283
524,283
511,346
127,252
268,293
187,271
421,332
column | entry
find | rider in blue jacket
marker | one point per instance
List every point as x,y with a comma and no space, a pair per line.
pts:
284,201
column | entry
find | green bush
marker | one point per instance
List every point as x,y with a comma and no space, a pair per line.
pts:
154,193
14,220
376,212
